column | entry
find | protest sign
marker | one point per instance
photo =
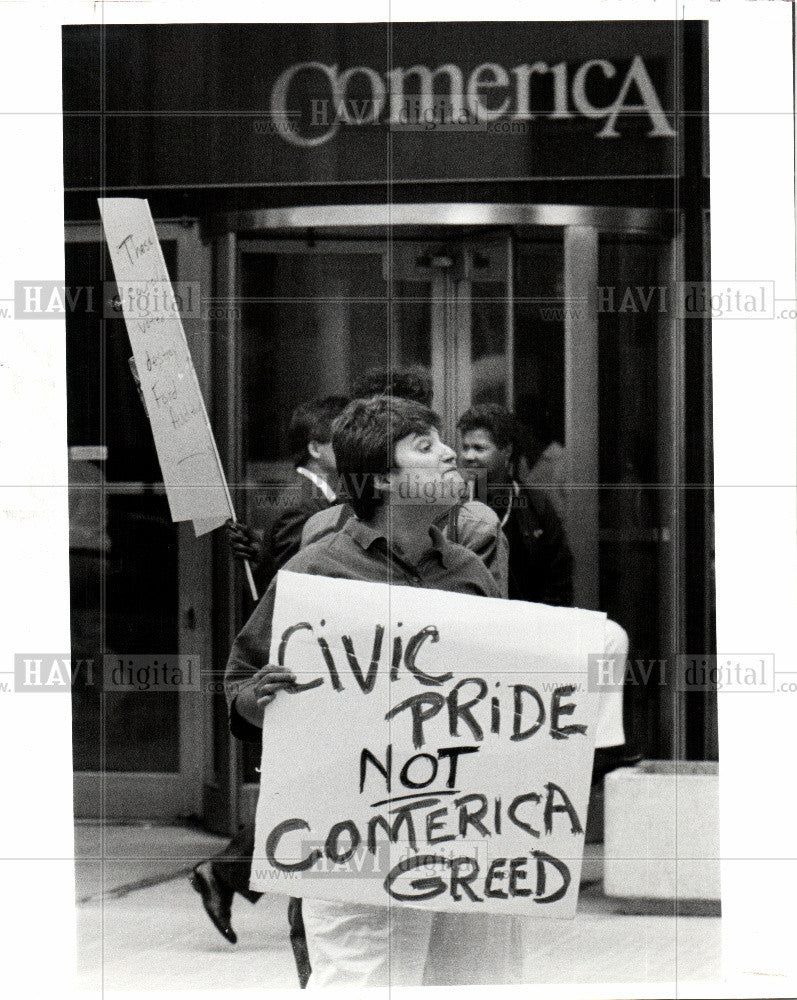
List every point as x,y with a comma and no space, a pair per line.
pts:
437,753
192,475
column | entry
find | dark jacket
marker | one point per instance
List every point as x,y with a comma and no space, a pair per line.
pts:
540,560
296,502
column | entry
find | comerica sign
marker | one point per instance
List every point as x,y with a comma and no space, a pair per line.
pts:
311,100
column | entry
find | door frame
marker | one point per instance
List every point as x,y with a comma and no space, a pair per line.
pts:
384,218
358,224
151,794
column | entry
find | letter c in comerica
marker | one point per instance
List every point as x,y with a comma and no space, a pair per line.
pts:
286,826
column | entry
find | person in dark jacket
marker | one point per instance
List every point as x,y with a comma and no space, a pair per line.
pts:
217,879
540,560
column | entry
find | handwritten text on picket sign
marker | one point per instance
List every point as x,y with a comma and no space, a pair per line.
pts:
192,474
459,757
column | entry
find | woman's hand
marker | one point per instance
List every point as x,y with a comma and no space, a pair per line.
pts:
262,689
269,680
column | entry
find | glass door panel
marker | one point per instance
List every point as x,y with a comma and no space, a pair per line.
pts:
423,312
488,283
462,288
410,325
119,522
539,356
638,496
138,584
313,318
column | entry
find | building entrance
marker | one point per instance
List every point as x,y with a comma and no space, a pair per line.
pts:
554,311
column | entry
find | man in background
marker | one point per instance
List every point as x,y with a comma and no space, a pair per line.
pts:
542,458
312,490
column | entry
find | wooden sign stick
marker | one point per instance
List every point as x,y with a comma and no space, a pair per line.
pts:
247,565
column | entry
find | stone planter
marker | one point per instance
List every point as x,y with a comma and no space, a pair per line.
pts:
661,833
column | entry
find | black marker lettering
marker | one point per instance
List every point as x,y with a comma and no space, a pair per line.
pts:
560,866
495,714
463,880
332,849
415,643
454,753
512,812
557,708
366,682
433,824
385,769
396,661
299,626
517,732
272,842
474,818
494,874
457,711
408,782
333,673
565,807
425,888
423,707
517,873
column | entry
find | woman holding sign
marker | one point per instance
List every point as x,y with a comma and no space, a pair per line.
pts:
398,475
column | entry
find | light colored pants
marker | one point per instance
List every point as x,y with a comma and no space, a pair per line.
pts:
351,945
354,945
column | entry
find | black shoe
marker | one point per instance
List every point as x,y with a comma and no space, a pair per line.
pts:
216,898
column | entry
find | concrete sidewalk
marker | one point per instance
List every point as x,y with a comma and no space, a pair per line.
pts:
142,926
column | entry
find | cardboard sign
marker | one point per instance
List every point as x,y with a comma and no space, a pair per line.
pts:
438,753
192,474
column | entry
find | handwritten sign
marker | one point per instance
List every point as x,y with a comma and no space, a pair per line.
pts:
437,754
195,485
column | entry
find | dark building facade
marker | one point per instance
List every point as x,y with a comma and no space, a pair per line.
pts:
511,205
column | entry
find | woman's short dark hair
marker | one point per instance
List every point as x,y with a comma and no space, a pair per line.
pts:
312,421
364,439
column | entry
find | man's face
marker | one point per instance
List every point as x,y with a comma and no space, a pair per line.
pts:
480,452
426,470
